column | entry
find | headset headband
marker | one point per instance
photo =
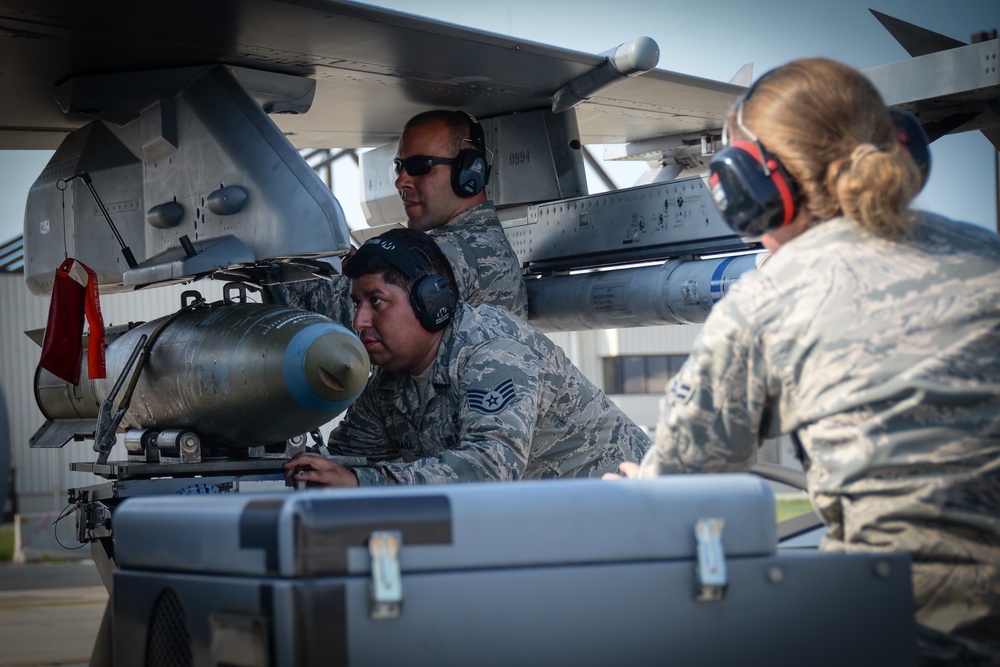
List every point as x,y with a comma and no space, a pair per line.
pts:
409,260
477,137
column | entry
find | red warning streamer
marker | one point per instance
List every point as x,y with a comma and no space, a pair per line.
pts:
74,294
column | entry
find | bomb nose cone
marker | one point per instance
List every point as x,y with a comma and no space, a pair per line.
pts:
325,367
329,380
337,365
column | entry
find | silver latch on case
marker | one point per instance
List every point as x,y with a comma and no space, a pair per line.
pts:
712,578
386,584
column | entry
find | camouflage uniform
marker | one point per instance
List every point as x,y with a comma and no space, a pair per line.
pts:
884,359
485,266
507,404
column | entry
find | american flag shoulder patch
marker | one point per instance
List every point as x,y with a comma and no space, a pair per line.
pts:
492,401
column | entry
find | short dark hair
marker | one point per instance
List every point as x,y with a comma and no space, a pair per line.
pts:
401,256
459,125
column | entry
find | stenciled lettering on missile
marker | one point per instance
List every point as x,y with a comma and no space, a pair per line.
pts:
306,318
608,299
493,401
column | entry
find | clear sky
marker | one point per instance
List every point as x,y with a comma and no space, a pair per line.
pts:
707,39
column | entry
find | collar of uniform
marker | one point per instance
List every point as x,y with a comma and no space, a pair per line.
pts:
441,376
474,214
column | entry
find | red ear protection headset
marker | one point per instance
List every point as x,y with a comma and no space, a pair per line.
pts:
471,171
755,194
751,188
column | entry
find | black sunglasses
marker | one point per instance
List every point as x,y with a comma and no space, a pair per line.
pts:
419,165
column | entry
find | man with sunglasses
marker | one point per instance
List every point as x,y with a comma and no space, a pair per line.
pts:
441,170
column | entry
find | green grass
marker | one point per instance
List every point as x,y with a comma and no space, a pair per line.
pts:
788,508
6,541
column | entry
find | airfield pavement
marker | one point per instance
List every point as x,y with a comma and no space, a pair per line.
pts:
49,613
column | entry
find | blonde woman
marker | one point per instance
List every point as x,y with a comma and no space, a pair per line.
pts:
872,335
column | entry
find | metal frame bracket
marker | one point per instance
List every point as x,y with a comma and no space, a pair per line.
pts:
711,570
386,584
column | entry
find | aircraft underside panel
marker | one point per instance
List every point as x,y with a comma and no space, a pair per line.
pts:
643,223
188,174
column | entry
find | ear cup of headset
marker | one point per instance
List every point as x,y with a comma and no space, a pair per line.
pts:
753,199
913,138
469,173
433,302
431,296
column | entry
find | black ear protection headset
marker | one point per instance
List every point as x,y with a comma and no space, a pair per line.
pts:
753,191
471,171
431,296
911,135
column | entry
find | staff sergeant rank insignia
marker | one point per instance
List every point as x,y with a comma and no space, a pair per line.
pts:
492,401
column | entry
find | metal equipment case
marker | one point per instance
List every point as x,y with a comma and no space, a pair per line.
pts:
678,570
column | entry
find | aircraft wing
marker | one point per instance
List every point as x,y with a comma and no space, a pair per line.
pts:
951,86
373,68
177,114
